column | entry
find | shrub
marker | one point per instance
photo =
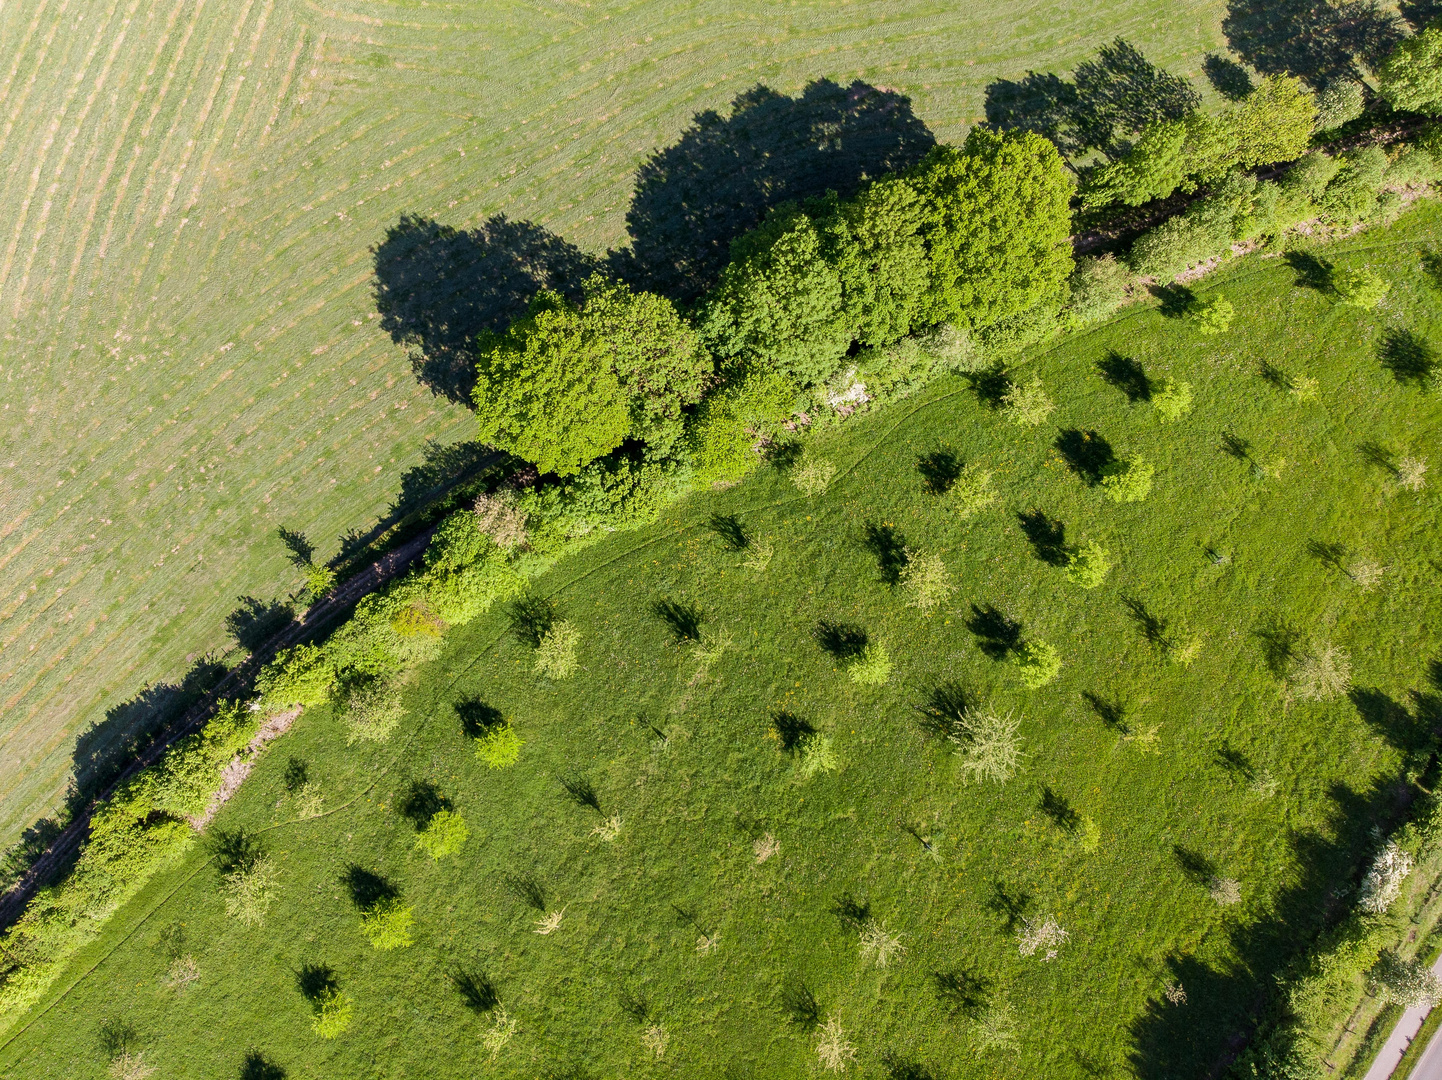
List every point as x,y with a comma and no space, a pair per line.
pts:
1383,883
1027,405
925,581
1044,932
503,1027
1099,288
1175,245
1360,288
387,923
1019,331
990,748
556,654
871,667
1408,983
1411,78
1128,479
812,475
1340,103
1365,573
1304,183
1412,473
1212,315
1303,388
499,745
332,1014
499,518
1172,399
1038,663
418,631
249,890
1225,891
655,1040
1322,675
1088,566
301,675
878,946
443,835
749,409
319,579
995,1028
1351,195
972,492
373,710
816,754
833,1049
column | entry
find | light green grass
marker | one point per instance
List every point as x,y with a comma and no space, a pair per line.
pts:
190,196
693,806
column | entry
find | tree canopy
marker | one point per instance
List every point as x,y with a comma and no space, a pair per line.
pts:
1411,78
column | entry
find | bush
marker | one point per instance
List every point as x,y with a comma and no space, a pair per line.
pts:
1340,103
1408,983
1128,480
925,581
443,835
972,492
871,667
1323,674
1037,662
1211,316
301,675
1172,399
1099,288
387,923
989,746
319,579
816,754
372,711
1360,288
726,430
249,890
1175,245
812,475
498,518
1304,183
1010,335
1383,883
1088,566
556,654
499,745
332,1014
1411,78
1351,195
1027,405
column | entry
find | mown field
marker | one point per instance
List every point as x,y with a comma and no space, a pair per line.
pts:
191,351
1178,726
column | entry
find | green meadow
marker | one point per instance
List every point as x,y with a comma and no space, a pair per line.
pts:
714,822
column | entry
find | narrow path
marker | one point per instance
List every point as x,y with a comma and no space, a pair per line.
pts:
1429,1067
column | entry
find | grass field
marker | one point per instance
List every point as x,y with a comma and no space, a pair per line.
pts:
189,345
1175,726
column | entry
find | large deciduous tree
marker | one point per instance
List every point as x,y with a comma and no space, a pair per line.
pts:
1411,78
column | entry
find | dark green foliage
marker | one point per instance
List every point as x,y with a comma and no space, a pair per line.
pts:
751,405
997,225
884,269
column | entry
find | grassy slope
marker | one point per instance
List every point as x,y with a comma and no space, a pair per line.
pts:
691,810
190,195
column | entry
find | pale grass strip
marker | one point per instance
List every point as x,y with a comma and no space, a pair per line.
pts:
284,85
58,18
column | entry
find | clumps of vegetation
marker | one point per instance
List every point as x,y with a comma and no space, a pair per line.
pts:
988,745
556,653
1211,316
499,745
250,890
764,847
760,557
1383,883
385,920
655,1039
1322,675
1412,473
1408,983
444,834
330,1008
1365,573
995,1028
1088,565
609,829
1037,662
1041,935
812,475
1089,834
833,1049
1172,399
1099,288
1127,480
502,1030
871,666
972,491
1225,891
1359,288
1341,102
878,945
119,1042
319,579
498,517
309,799
372,710
924,579
1027,404
816,754
181,975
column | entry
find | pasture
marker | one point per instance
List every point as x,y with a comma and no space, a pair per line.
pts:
1188,807
190,346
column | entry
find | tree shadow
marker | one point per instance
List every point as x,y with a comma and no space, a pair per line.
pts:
256,621
257,1066
316,982
1331,555
1009,906
531,618
840,641
1274,376
1410,358
790,729
1060,810
1280,642
234,850
799,1005
1173,300
581,792
1374,453
944,711
1047,537
962,990
1195,867
636,1005
437,287
1322,41
889,548
302,551
990,386
1148,624
939,470
730,531
903,1068
1112,713
367,888
996,635
721,177
1394,721
683,619
1086,453
851,911
1236,763
1126,375
477,991
1419,13
420,802
527,889
1227,77
1044,103
1312,272
476,717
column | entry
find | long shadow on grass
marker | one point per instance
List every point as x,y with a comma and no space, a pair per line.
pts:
437,287
725,172
1410,358
840,641
889,548
996,634
1086,453
257,1066
367,888
1126,375
1047,537
1322,41
1225,1000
